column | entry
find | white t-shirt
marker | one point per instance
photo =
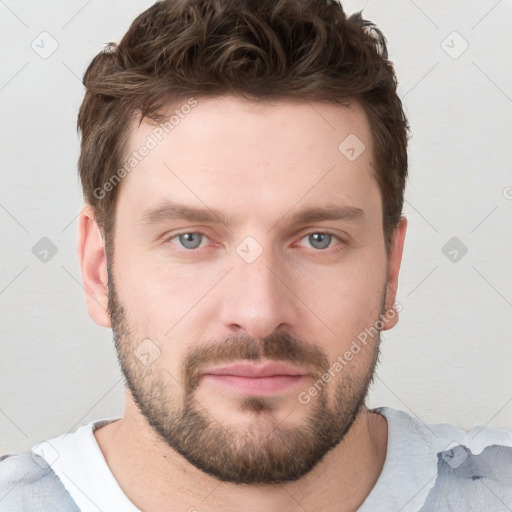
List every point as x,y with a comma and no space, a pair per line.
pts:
427,468
77,460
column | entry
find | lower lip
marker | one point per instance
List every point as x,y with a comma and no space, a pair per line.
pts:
254,385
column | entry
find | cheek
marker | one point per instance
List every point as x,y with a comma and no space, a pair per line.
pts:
165,300
348,298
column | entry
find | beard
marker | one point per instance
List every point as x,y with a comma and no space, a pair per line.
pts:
266,451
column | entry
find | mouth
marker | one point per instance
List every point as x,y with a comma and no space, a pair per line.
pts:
253,378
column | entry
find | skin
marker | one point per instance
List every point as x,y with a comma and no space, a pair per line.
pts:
256,165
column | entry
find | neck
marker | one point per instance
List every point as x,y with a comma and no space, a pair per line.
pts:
153,476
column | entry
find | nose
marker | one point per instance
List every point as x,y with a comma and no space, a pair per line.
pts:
256,298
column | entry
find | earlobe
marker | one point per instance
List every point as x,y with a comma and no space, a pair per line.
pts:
390,316
93,265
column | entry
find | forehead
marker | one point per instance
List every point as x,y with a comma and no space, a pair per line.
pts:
228,152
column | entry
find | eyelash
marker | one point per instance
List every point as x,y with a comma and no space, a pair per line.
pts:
341,243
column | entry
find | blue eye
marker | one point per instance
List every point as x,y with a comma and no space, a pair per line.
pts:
190,240
319,240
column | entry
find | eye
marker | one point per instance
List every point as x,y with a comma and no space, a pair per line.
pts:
320,240
190,240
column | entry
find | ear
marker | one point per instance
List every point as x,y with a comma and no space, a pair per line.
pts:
394,260
93,264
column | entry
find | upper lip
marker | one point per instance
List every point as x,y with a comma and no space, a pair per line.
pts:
255,370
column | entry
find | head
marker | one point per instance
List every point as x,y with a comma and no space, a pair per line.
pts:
243,165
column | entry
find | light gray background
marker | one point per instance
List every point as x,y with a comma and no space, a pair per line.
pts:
449,358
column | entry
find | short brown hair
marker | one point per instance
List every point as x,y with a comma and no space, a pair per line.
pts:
259,49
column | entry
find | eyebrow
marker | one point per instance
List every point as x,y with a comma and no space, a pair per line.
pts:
335,212
169,210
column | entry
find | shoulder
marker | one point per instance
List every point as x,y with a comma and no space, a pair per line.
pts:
27,482
442,437
479,481
20,470
474,467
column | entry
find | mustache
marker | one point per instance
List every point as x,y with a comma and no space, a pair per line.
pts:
279,346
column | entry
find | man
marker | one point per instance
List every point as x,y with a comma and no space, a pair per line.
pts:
244,165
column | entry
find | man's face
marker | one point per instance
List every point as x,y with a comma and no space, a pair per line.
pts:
247,236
